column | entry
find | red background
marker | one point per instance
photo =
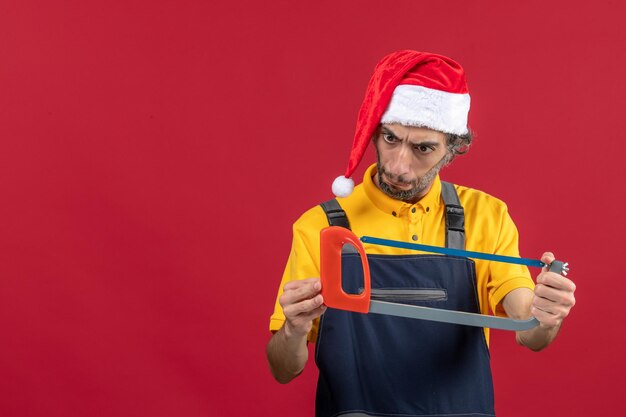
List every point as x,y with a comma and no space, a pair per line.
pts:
153,155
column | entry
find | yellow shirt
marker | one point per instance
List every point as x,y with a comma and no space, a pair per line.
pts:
488,228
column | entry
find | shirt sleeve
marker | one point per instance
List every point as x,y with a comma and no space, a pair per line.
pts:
303,263
506,277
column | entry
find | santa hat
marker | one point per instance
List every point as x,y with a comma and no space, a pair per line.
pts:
414,89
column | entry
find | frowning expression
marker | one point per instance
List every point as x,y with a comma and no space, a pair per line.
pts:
409,158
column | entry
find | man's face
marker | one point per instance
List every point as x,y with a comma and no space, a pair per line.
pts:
409,159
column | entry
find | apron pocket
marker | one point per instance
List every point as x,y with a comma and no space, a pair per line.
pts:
407,295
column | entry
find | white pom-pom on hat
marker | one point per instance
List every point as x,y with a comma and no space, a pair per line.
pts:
342,186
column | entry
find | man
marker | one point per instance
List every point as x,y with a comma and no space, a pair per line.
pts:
415,113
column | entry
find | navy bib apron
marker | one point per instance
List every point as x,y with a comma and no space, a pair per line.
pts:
378,365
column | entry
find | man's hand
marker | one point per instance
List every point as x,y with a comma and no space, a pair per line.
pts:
550,304
554,296
302,303
287,351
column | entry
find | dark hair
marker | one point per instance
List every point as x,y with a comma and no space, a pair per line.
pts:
459,144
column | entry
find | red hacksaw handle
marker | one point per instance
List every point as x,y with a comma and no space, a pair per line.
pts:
332,240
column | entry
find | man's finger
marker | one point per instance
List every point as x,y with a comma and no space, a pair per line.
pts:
546,318
298,283
302,291
547,257
557,281
303,307
560,297
313,314
551,307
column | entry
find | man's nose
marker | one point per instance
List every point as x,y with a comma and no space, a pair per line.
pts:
400,163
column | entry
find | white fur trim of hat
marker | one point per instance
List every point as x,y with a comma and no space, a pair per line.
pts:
414,105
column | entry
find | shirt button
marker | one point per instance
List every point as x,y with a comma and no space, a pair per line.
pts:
427,209
413,210
414,237
394,213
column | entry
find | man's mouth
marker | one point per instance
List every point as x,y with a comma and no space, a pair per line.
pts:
398,185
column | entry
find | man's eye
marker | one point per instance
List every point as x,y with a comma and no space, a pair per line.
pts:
389,138
424,148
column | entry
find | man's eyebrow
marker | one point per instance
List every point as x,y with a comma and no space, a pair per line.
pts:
389,132
426,143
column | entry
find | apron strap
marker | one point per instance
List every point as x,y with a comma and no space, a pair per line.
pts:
335,214
455,217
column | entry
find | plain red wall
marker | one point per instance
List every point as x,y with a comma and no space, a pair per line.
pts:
153,155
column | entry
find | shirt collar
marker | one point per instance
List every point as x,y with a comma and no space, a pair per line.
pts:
389,205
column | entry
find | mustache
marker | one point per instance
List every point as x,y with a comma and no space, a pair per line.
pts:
400,180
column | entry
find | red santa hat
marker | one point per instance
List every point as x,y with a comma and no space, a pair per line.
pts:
414,89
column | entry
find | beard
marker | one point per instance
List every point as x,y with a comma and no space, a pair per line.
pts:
418,185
